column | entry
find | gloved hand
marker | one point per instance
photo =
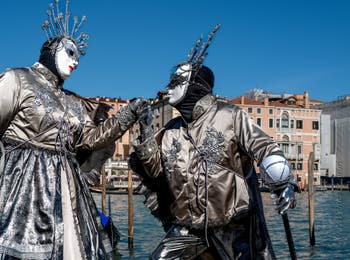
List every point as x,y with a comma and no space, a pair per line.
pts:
145,122
137,106
284,199
129,115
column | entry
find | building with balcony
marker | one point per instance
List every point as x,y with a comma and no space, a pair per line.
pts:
293,121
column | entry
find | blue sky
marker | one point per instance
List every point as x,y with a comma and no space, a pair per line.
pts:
281,46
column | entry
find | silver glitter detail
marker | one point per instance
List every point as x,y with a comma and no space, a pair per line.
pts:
212,146
171,157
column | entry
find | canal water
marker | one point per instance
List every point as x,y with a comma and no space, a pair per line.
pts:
332,226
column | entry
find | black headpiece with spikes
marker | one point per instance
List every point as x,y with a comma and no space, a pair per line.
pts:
195,59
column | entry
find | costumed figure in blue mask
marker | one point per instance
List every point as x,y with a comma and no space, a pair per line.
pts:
199,175
46,209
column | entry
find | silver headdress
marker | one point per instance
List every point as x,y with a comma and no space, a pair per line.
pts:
57,25
197,54
195,59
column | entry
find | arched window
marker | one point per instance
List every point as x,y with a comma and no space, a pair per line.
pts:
285,120
285,138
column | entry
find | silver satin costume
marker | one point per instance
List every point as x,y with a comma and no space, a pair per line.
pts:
199,175
42,127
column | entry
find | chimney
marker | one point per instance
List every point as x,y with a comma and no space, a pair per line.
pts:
306,100
266,101
242,100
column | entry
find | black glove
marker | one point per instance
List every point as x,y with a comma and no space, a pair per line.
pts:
284,199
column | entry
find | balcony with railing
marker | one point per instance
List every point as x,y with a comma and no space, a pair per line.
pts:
290,156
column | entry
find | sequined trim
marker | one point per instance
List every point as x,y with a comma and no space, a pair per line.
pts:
125,118
76,107
171,157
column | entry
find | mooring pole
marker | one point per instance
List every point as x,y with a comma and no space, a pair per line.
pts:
103,189
130,212
311,200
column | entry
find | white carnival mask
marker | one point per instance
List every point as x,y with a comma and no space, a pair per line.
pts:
179,83
66,58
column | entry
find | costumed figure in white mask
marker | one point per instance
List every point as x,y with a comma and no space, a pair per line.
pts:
46,209
199,175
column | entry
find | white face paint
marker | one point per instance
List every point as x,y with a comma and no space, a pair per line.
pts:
66,58
178,91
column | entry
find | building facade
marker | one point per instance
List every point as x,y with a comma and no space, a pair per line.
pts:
294,122
335,139
122,149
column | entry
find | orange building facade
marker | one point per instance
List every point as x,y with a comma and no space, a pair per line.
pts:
293,123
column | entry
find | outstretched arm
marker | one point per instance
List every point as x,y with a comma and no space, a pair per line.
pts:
96,137
274,168
146,148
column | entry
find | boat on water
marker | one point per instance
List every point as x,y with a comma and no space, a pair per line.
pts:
118,185
113,190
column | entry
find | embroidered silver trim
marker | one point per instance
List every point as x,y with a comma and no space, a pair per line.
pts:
197,111
76,107
44,98
171,157
212,146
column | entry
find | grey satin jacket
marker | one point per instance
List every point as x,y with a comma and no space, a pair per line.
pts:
42,127
206,162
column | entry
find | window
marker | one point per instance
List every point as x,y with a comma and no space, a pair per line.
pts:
285,120
299,166
258,121
250,110
292,123
316,167
285,148
315,125
292,165
270,122
270,111
299,149
299,124
258,110
277,123
285,138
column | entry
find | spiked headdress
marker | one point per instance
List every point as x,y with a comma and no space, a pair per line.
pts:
198,53
195,60
57,25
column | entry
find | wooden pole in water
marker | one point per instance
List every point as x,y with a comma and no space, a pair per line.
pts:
130,212
103,189
311,201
